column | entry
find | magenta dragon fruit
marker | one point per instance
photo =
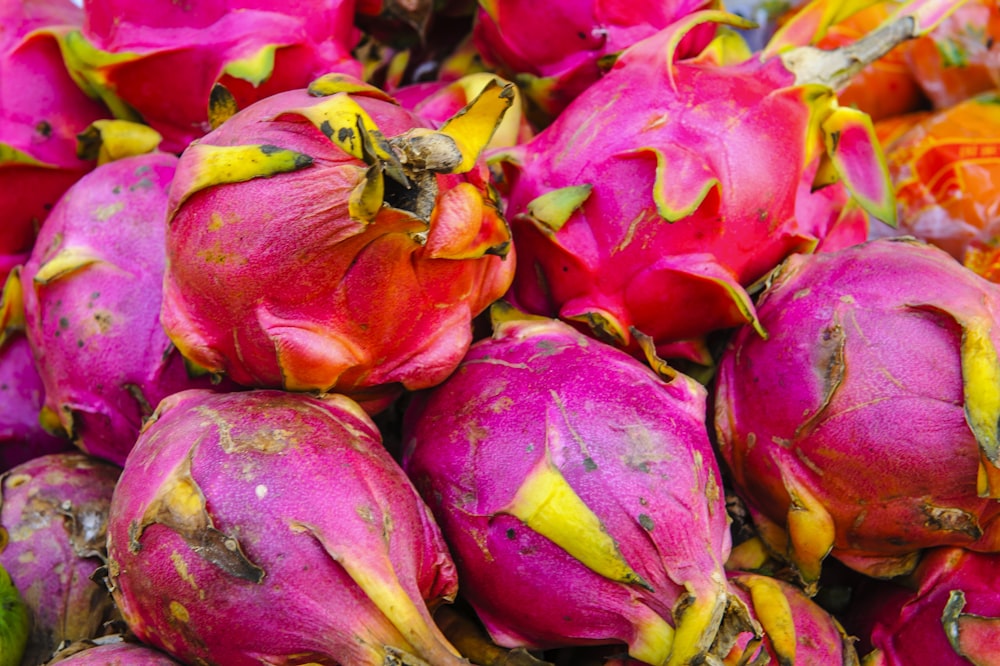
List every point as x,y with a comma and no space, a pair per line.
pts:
670,186
578,511
53,510
864,425
167,63
795,629
272,527
22,396
118,653
327,241
41,112
555,49
91,294
947,608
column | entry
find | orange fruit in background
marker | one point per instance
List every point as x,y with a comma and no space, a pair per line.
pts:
886,87
960,57
946,171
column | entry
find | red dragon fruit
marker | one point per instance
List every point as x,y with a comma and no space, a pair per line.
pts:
272,527
53,510
160,61
22,395
118,653
91,294
947,608
384,234
579,511
555,49
667,188
796,630
864,426
41,112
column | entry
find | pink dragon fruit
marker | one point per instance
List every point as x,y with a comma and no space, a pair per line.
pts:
947,608
668,187
21,398
91,300
327,241
864,426
168,63
119,653
41,112
796,630
579,511
53,510
272,527
555,50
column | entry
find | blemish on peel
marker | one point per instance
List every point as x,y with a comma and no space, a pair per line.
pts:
179,612
260,491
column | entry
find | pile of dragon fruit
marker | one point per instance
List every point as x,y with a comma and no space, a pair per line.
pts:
507,333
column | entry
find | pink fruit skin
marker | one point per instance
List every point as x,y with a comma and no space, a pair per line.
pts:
818,638
713,131
633,447
907,623
336,324
183,50
564,40
21,397
856,399
242,520
41,112
118,654
54,509
94,327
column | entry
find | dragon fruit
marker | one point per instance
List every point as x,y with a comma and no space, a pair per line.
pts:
53,510
386,234
119,653
180,67
579,511
91,306
669,187
41,111
555,50
864,426
272,527
796,630
21,398
947,608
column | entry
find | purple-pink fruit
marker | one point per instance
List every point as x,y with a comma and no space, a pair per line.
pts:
326,240
948,607
21,398
41,112
272,527
667,188
92,291
54,510
113,654
865,424
796,630
579,494
161,61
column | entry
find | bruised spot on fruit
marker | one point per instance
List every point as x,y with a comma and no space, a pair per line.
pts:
179,505
179,612
830,364
949,519
43,128
180,566
646,522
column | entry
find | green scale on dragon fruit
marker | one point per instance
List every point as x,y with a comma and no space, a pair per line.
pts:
579,512
663,192
389,231
91,291
167,63
53,513
272,527
864,427
41,112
